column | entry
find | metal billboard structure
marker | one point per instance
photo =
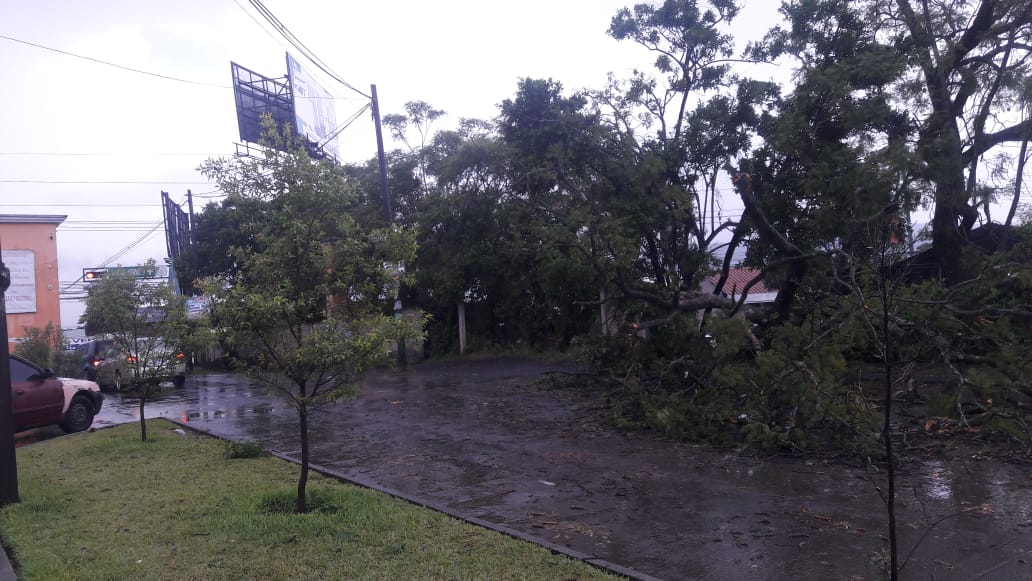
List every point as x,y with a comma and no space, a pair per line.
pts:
177,227
297,99
256,96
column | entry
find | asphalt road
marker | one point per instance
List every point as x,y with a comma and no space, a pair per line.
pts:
485,439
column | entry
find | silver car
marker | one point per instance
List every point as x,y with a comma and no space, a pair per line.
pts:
109,365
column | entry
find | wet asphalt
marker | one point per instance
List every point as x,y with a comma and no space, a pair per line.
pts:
485,439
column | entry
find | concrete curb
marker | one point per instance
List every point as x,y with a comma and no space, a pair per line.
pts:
6,569
365,483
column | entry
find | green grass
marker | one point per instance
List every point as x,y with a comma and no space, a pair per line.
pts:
104,505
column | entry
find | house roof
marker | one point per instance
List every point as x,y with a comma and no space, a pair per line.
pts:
31,219
738,278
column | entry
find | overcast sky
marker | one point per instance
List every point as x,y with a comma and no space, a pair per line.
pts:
99,144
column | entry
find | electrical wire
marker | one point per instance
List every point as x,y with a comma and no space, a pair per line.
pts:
94,205
259,24
106,182
79,56
140,71
350,120
148,222
120,253
300,46
147,234
110,154
134,243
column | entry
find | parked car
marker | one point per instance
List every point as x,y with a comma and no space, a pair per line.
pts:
103,361
91,352
39,398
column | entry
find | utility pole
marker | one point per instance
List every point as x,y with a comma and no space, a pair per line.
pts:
8,459
388,216
190,227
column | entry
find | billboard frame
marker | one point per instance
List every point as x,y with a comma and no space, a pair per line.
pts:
257,95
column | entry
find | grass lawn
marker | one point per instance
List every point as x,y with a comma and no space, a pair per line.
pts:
104,505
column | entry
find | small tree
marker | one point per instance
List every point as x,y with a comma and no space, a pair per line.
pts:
46,347
305,314
147,323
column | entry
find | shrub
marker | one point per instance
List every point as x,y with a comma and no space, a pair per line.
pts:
235,450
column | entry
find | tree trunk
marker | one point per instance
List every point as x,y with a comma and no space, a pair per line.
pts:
942,152
302,482
1022,160
890,496
947,236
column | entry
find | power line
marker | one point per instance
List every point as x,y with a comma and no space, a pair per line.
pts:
259,24
142,72
119,254
106,182
300,46
345,125
79,56
134,243
94,205
111,154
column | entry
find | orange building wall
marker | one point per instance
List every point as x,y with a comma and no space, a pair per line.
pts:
41,239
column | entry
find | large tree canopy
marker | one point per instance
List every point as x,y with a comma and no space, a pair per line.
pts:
957,75
580,213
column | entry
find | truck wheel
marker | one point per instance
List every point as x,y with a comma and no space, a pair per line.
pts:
79,416
179,380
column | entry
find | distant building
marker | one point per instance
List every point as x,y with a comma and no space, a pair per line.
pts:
29,245
734,286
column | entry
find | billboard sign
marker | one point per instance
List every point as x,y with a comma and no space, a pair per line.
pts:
197,307
21,295
315,114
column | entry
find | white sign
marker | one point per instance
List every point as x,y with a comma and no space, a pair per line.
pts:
314,109
21,296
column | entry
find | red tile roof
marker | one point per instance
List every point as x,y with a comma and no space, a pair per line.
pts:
737,278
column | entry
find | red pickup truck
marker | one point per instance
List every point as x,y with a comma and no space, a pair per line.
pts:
40,398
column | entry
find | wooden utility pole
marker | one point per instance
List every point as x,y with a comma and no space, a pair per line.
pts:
8,460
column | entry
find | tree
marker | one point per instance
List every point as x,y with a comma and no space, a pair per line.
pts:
45,347
420,116
147,323
306,311
955,70
833,158
479,245
219,228
630,173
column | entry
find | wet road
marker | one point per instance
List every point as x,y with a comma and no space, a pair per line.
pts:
482,438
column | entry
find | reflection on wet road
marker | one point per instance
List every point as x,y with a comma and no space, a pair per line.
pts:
483,439
202,399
